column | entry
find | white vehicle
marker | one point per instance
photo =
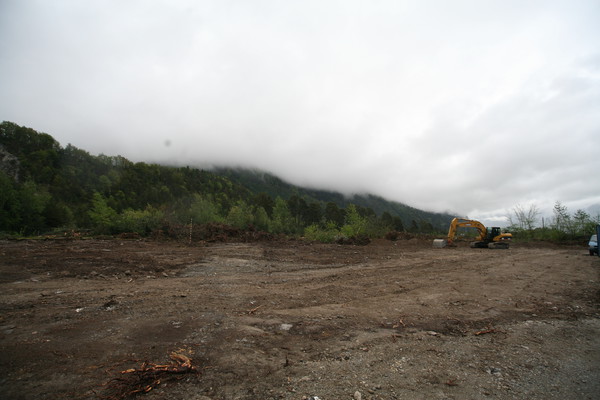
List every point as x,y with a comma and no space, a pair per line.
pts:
593,245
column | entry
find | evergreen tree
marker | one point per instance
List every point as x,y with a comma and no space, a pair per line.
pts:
414,228
313,215
397,224
264,201
387,220
298,208
334,214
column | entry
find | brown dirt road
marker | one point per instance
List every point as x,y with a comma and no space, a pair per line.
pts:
295,320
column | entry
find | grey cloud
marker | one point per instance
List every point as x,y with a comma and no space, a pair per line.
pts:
464,106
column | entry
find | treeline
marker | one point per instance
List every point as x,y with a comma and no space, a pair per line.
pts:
415,219
526,223
48,188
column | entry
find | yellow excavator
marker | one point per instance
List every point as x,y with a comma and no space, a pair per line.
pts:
491,238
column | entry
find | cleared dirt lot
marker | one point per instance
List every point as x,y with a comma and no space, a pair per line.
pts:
293,320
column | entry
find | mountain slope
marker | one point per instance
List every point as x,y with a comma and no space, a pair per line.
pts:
261,181
46,186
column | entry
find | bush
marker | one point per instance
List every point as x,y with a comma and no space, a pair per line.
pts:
142,222
328,234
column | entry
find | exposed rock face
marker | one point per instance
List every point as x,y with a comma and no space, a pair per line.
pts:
9,164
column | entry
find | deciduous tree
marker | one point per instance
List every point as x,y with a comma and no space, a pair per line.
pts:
524,217
282,221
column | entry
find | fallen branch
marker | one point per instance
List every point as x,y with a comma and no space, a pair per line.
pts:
255,309
489,330
136,381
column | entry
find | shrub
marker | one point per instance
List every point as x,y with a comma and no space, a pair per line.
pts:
328,234
140,221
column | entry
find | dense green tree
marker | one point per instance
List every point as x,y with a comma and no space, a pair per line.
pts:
298,208
414,227
103,217
334,214
282,220
261,219
365,212
10,205
387,220
58,214
240,215
425,227
203,210
265,201
398,225
313,215
33,200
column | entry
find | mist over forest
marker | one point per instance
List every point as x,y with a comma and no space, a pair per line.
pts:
50,188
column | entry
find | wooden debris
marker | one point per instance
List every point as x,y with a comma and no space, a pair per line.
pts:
134,381
488,330
400,323
255,309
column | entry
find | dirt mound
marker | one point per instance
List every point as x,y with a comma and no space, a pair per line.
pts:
360,240
211,232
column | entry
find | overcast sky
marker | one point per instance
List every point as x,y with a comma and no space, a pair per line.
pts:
465,106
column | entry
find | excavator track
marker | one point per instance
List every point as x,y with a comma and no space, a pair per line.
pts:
498,245
479,245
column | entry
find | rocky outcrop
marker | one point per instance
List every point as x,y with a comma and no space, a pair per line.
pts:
9,164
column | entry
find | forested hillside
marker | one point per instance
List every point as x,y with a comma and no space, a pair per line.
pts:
259,181
45,187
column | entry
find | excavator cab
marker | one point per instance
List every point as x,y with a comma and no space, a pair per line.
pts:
495,239
492,233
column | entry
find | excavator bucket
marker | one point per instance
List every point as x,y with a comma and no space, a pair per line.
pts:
440,243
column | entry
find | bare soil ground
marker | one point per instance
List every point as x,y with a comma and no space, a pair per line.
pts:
295,320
